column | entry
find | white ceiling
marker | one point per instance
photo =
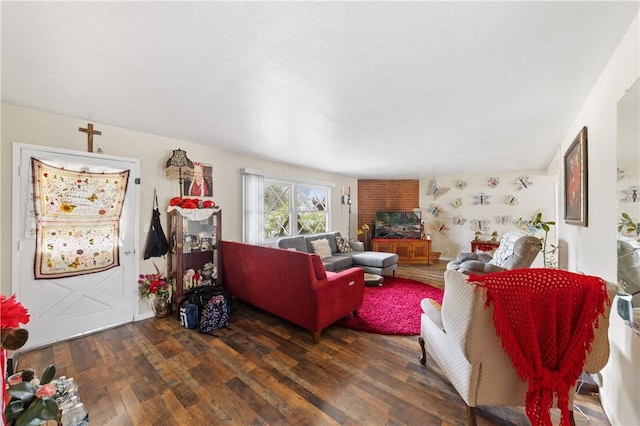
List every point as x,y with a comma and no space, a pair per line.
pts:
368,89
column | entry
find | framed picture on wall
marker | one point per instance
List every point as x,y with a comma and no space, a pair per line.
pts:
346,195
201,185
575,181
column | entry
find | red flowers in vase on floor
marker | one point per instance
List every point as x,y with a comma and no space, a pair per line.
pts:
154,285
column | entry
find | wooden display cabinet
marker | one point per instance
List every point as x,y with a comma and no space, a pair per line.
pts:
408,250
194,244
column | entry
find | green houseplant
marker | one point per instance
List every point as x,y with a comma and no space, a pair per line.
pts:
549,251
32,401
628,226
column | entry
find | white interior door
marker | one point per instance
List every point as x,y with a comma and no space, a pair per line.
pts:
63,308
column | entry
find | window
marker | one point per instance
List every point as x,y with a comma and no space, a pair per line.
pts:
283,207
294,209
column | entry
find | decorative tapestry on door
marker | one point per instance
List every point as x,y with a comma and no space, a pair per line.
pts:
78,217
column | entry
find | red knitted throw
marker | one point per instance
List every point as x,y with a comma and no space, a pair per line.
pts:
546,319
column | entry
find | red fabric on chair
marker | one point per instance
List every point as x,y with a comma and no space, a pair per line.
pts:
546,320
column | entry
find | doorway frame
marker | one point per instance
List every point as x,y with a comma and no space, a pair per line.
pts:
134,185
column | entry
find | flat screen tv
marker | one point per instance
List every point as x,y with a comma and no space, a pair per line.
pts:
402,224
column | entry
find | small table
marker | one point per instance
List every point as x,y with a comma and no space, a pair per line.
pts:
373,280
484,245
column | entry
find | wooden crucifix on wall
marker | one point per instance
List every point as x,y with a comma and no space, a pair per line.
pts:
90,132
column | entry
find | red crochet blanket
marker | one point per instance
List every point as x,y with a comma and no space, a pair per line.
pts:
546,319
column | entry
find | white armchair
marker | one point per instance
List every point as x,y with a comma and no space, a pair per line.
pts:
462,340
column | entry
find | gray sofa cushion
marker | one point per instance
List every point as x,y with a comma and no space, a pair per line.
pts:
297,243
331,236
375,259
337,263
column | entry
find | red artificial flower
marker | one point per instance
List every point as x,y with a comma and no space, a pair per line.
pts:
175,201
12,313
189,204
46,391
208,204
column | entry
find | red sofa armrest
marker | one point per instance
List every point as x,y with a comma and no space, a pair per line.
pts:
338,295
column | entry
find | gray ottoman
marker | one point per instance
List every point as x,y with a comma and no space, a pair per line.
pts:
375,262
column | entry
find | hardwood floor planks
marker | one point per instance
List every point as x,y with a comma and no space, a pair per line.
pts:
266,371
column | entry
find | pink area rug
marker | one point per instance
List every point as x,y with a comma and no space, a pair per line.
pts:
393,308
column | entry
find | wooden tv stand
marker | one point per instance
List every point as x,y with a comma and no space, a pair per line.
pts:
408,251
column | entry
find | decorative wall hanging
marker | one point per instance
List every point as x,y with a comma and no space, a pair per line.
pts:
480,224
511,200
503,220
78,216
524,225
630,195
435,190
461,184
434,209
523,182
620,174
575,181
459,220
440,227
90,132
456,203
493,181
481,199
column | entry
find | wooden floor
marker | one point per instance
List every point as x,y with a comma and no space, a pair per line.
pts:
266,371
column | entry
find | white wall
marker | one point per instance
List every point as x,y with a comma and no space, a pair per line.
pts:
592,249
40,128
537,197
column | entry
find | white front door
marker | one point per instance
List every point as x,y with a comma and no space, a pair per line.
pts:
63,308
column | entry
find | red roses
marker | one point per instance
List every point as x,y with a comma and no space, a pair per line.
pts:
191,203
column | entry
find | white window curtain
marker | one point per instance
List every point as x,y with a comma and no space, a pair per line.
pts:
253,207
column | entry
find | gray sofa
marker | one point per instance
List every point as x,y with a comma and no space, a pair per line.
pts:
372,262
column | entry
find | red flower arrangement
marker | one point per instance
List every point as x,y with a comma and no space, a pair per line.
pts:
153,285
191,203
12,313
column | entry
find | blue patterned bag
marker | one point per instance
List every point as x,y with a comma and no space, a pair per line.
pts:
215,315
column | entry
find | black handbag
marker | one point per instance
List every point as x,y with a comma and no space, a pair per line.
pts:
201,295
157,244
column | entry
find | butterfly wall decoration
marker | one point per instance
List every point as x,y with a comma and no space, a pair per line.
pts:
480,224
481,199
461,184
435,190
523,182
503,220
434,209
525,225
511,200
493,181
456,203
630,195
459,220
440,227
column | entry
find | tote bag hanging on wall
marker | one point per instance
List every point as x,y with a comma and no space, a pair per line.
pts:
157,244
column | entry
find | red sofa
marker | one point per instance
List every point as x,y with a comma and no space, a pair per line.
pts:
290,284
